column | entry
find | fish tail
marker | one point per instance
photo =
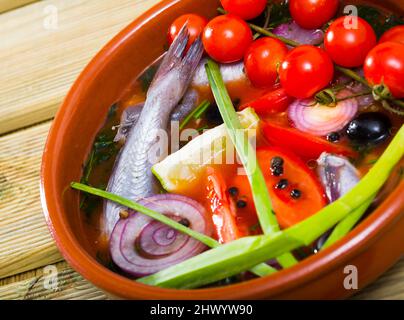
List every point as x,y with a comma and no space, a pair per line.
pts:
174,55
192,58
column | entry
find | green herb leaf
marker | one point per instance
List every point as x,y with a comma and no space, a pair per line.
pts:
280,14
147,77
195,114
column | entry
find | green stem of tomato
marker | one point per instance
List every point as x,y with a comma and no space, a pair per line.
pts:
352,74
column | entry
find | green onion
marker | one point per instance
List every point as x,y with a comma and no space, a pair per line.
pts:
237,256
347,224
201,110
247,155
260,270
146,211
195,114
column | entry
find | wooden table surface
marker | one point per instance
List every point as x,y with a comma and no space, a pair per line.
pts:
43,47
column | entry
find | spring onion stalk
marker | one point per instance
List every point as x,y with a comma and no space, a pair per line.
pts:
347,224
202,109
237,256
247,155
195,114
260,270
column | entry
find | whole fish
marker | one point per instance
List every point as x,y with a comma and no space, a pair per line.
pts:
132,177
230,73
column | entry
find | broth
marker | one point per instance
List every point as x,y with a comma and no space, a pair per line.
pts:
240,92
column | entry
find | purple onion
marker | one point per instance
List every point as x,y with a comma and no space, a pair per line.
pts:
320,120
142,246
358,88
292,31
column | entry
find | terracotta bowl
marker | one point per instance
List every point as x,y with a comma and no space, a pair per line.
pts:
374,246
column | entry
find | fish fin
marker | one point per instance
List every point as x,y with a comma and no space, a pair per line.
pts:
129,118
192,58
174,54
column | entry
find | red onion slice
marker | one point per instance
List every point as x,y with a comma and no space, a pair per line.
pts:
293,31
321,120
141,246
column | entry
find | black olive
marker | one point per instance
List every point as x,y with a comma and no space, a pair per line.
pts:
369,128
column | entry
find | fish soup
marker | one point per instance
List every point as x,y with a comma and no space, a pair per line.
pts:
246,142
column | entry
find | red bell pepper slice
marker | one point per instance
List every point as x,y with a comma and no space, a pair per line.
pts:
273,102
303,144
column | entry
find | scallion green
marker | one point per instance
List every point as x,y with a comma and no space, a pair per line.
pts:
195,114
247,155
237,256
260,270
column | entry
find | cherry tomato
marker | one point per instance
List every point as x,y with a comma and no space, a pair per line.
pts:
226,38
245,9
273,102
385,64
196,25
313,14
305,145
289,209
348,44
305,71
395,34
223,208
262,60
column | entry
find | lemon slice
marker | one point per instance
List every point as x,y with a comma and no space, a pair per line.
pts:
212,147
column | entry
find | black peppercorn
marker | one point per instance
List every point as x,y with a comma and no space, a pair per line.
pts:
184,222
277,171
295,194
241,204
276,162
334,137
233,191
282,184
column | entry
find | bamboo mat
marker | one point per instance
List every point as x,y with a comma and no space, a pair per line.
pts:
38,63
